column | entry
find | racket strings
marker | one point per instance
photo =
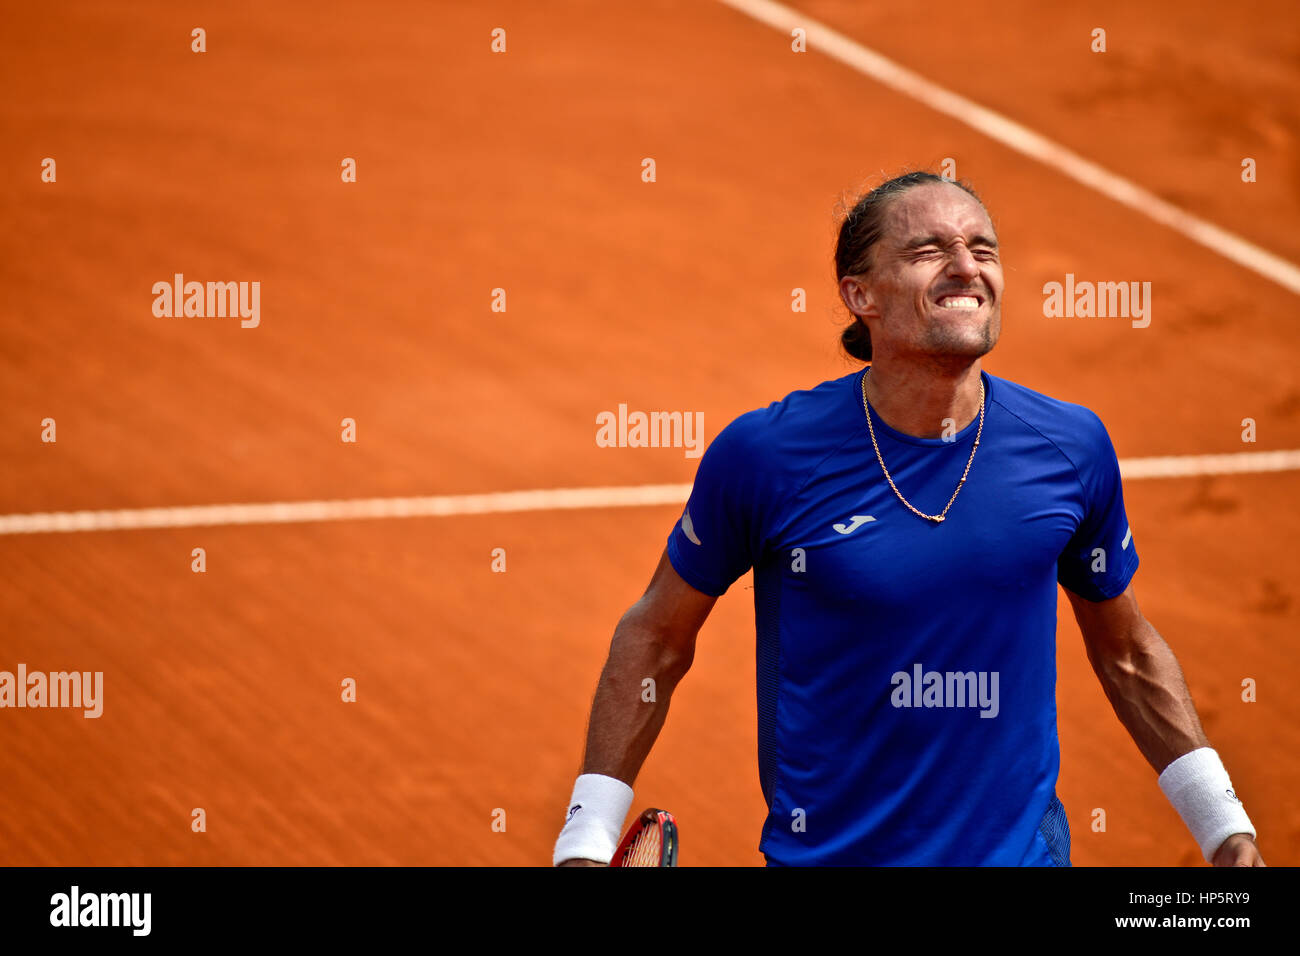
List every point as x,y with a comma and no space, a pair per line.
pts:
646,848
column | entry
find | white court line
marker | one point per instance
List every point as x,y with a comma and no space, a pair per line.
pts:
284,512
505,502
1023,140
1186,466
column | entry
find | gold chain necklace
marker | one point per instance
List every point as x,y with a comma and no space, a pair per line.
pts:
980,431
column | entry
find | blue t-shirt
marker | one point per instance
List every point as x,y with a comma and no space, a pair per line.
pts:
907,668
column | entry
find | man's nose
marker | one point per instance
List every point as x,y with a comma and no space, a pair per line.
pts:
962,264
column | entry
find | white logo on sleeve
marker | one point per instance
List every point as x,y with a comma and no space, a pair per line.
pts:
1128,536
855,522
688,529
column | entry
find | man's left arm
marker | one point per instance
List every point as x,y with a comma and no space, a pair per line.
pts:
1145,686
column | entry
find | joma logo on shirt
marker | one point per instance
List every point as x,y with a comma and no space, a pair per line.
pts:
923,688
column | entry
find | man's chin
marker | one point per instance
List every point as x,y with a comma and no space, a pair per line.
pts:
963,347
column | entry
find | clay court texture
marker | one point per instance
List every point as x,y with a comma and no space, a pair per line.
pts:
523,171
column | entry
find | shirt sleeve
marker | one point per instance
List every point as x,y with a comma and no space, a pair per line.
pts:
719,535
1101,557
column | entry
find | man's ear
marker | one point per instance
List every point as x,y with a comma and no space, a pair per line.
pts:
857,297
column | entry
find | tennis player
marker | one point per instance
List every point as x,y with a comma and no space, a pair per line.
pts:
907,526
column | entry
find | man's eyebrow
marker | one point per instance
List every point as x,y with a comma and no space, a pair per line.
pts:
923,241
980,240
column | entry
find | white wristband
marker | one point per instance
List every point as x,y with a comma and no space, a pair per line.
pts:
1198,786
595,819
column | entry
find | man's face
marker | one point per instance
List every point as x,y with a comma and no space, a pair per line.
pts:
935,282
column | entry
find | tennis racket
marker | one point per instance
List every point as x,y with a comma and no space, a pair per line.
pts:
650,841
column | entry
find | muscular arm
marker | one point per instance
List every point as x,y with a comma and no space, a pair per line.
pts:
1141,678
655,639
1145,686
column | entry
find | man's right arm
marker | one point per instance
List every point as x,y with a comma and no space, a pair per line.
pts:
655,639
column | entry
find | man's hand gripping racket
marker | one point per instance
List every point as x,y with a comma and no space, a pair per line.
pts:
651,840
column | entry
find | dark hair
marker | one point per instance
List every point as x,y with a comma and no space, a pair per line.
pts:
860,231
